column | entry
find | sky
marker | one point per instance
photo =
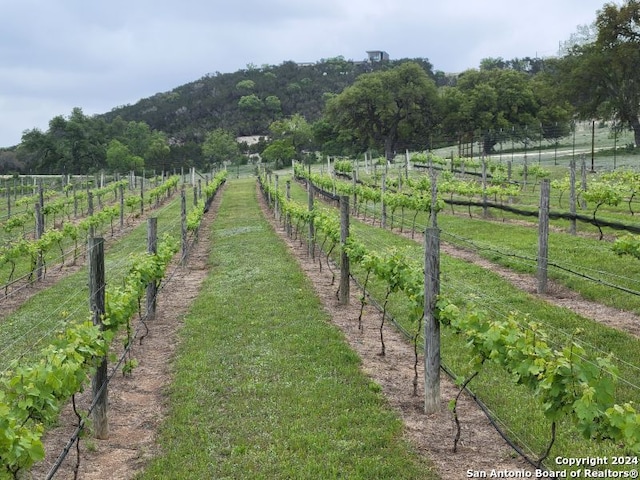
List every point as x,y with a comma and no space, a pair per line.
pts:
59,54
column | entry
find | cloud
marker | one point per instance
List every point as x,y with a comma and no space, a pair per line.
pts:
59,54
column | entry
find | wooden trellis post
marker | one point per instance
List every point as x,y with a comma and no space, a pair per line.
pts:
97,306
152,248
343,294
431,323
183,222
312,231
543,235
572,196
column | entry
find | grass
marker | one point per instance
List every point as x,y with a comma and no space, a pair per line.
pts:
265,387
515,406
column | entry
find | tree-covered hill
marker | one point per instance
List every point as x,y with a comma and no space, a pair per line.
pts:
246,102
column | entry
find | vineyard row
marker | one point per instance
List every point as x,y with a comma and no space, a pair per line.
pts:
565,382
32,393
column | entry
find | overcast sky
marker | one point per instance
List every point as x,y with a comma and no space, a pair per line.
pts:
96,55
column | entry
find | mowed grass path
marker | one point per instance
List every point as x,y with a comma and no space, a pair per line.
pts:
265,387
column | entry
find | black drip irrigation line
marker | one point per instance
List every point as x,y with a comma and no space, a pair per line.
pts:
531,213
597,222
478,248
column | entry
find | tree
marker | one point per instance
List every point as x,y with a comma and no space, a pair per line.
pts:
220,146
555,113
39,150
250,103
73,145
158,150
84,142
120,158
273,105
383,109
296,130
491,101
603,78
246,85
279,152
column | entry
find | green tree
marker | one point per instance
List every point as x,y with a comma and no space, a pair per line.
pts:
556,112
120,158
296,130
246,85
384,109
158,150
220,146
250,103
279,152
602,76
137,137
39,150
491,101
273,105
74,144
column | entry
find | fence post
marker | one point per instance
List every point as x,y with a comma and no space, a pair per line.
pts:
152,248
485,209
572,195
90,212
383,210
121,188
343,295
75,202
355,195
287,218
407,165
38,234
583,175
276,206
312,232
142,195
431,323
97,306
543,236
183,222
